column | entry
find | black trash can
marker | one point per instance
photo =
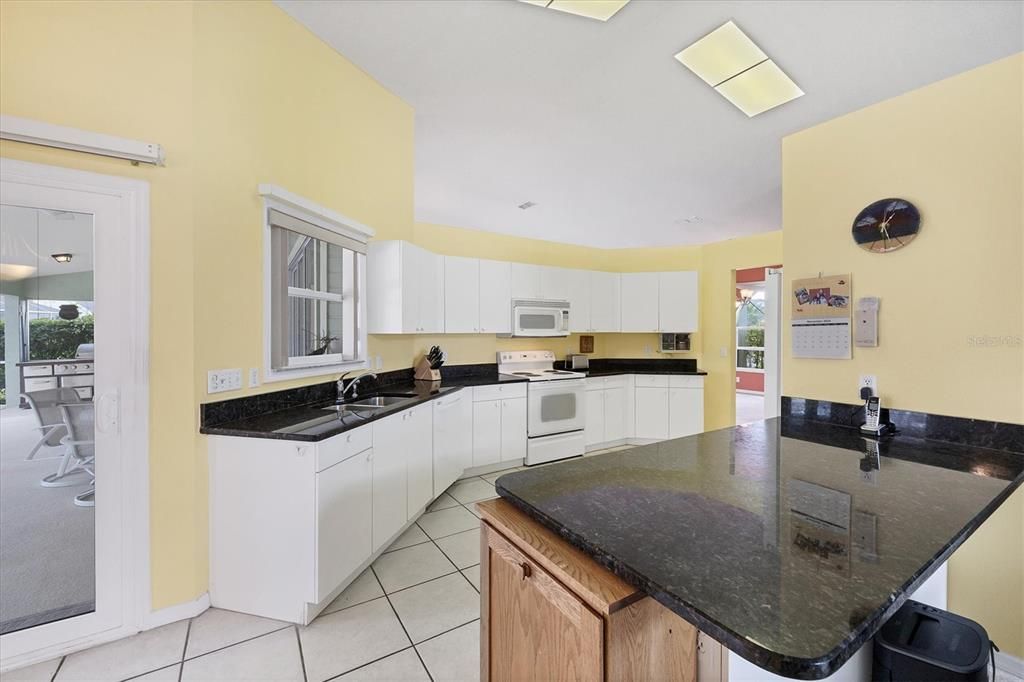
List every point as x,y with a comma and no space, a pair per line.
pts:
921,643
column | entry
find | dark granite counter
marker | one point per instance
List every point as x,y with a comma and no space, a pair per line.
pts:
300,414
789,541
606,367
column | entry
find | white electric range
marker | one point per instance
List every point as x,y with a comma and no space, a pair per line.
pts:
555,405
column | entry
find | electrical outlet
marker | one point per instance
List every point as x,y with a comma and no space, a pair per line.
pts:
723,352
219,380
380,362
254,377
868,381
647,350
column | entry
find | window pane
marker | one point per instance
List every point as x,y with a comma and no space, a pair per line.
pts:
313,264
750,337
750,314
752,359
314,327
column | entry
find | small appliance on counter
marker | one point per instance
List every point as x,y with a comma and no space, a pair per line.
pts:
577,362
428,368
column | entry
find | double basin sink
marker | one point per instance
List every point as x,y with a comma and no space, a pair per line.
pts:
374,404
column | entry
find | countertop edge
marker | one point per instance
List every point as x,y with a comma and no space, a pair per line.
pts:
774,662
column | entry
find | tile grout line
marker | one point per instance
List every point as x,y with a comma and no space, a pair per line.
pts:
440,634
233,644
302,658
59,666
402,625
459,570
363,665
184,649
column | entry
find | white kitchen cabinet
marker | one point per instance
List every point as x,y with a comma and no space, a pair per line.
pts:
608,411
526,281
405,289
418,438
343,521
594,430
513,429
678,301
639,302
554,283
461,295
390,478
686,406
499,423
579,289
615,413
495,297
453,438
651,412
605,303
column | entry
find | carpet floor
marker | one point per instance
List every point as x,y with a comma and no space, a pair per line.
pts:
47,544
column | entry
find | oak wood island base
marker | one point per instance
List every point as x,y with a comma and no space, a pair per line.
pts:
549,612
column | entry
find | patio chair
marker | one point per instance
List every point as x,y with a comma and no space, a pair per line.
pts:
44,406
79,420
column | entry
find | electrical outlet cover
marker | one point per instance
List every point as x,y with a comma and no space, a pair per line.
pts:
254,377
868,381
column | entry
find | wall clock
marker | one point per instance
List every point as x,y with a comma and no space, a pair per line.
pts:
886,225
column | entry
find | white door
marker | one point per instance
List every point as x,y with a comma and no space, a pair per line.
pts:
594,431
525,281
651,413
513,429
579,300
773,343
419,457
390,495
677,301
686,412
495,297
101,560
604,302
430,286
449,434
615,414
343,527
461,295
639,302
486,432
554,283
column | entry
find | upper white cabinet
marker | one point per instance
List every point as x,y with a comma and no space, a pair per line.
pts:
525,280
579,300
639,296
554,283
540,282
678,301
495,297
461,295
405,289
605,302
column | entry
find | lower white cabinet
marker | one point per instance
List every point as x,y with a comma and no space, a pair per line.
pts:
651,413
609,411
343,512
418,441
499,424
669,406
685,406
453,438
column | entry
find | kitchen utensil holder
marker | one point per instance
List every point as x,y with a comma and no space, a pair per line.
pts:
424,373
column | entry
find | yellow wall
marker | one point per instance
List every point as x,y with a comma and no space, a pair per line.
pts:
954,148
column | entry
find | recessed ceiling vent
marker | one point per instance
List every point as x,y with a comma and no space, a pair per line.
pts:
730,62
527,204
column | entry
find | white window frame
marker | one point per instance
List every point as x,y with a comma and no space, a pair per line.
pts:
286,202
735,359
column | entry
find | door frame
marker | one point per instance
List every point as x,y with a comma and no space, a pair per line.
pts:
774,301
127,410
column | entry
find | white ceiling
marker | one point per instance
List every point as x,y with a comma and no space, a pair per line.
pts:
615,141
28,237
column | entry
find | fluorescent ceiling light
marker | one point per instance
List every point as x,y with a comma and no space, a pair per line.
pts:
759,89
603,10
730,62
721,54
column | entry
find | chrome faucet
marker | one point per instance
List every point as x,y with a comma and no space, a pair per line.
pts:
352,385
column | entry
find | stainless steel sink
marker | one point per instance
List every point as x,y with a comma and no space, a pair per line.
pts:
369,405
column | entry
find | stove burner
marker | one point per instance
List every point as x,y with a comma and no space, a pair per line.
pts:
526,374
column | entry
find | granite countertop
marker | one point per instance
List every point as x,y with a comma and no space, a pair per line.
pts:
310,421
620,372
607,367
789,541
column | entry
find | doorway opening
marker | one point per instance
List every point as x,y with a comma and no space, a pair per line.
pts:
756,325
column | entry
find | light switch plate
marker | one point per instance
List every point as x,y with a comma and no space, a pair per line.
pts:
254,377
220,380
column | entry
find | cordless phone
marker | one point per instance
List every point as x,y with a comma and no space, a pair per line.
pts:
872,412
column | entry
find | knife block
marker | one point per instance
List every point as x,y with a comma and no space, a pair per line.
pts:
424,373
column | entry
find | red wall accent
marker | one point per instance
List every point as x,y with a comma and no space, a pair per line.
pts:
752,274
750,381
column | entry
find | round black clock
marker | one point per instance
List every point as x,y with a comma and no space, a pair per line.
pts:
886,225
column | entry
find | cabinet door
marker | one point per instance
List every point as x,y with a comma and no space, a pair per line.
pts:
604,302
419,458
686,412
579,300
639,302
461,295
495,297
554,283
536,628
390,494
594,430
486,432
343,521
651,413
411,263
615,411
677,301
513,429
525,280
430,287
453,439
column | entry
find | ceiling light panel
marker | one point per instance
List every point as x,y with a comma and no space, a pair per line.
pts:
602,10
759,89
721,54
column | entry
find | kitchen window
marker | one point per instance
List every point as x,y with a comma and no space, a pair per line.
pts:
750,327
315,289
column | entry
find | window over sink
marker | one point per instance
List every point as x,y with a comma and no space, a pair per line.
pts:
315,284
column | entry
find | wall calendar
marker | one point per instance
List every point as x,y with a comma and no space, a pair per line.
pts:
821,320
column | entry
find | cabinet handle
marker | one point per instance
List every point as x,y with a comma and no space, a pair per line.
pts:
348,439
527,571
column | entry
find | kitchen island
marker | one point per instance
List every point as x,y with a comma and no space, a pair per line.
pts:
788,541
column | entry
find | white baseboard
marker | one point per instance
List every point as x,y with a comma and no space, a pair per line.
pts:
1009,664
171,614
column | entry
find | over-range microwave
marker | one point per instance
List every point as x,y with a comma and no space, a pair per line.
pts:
540,318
